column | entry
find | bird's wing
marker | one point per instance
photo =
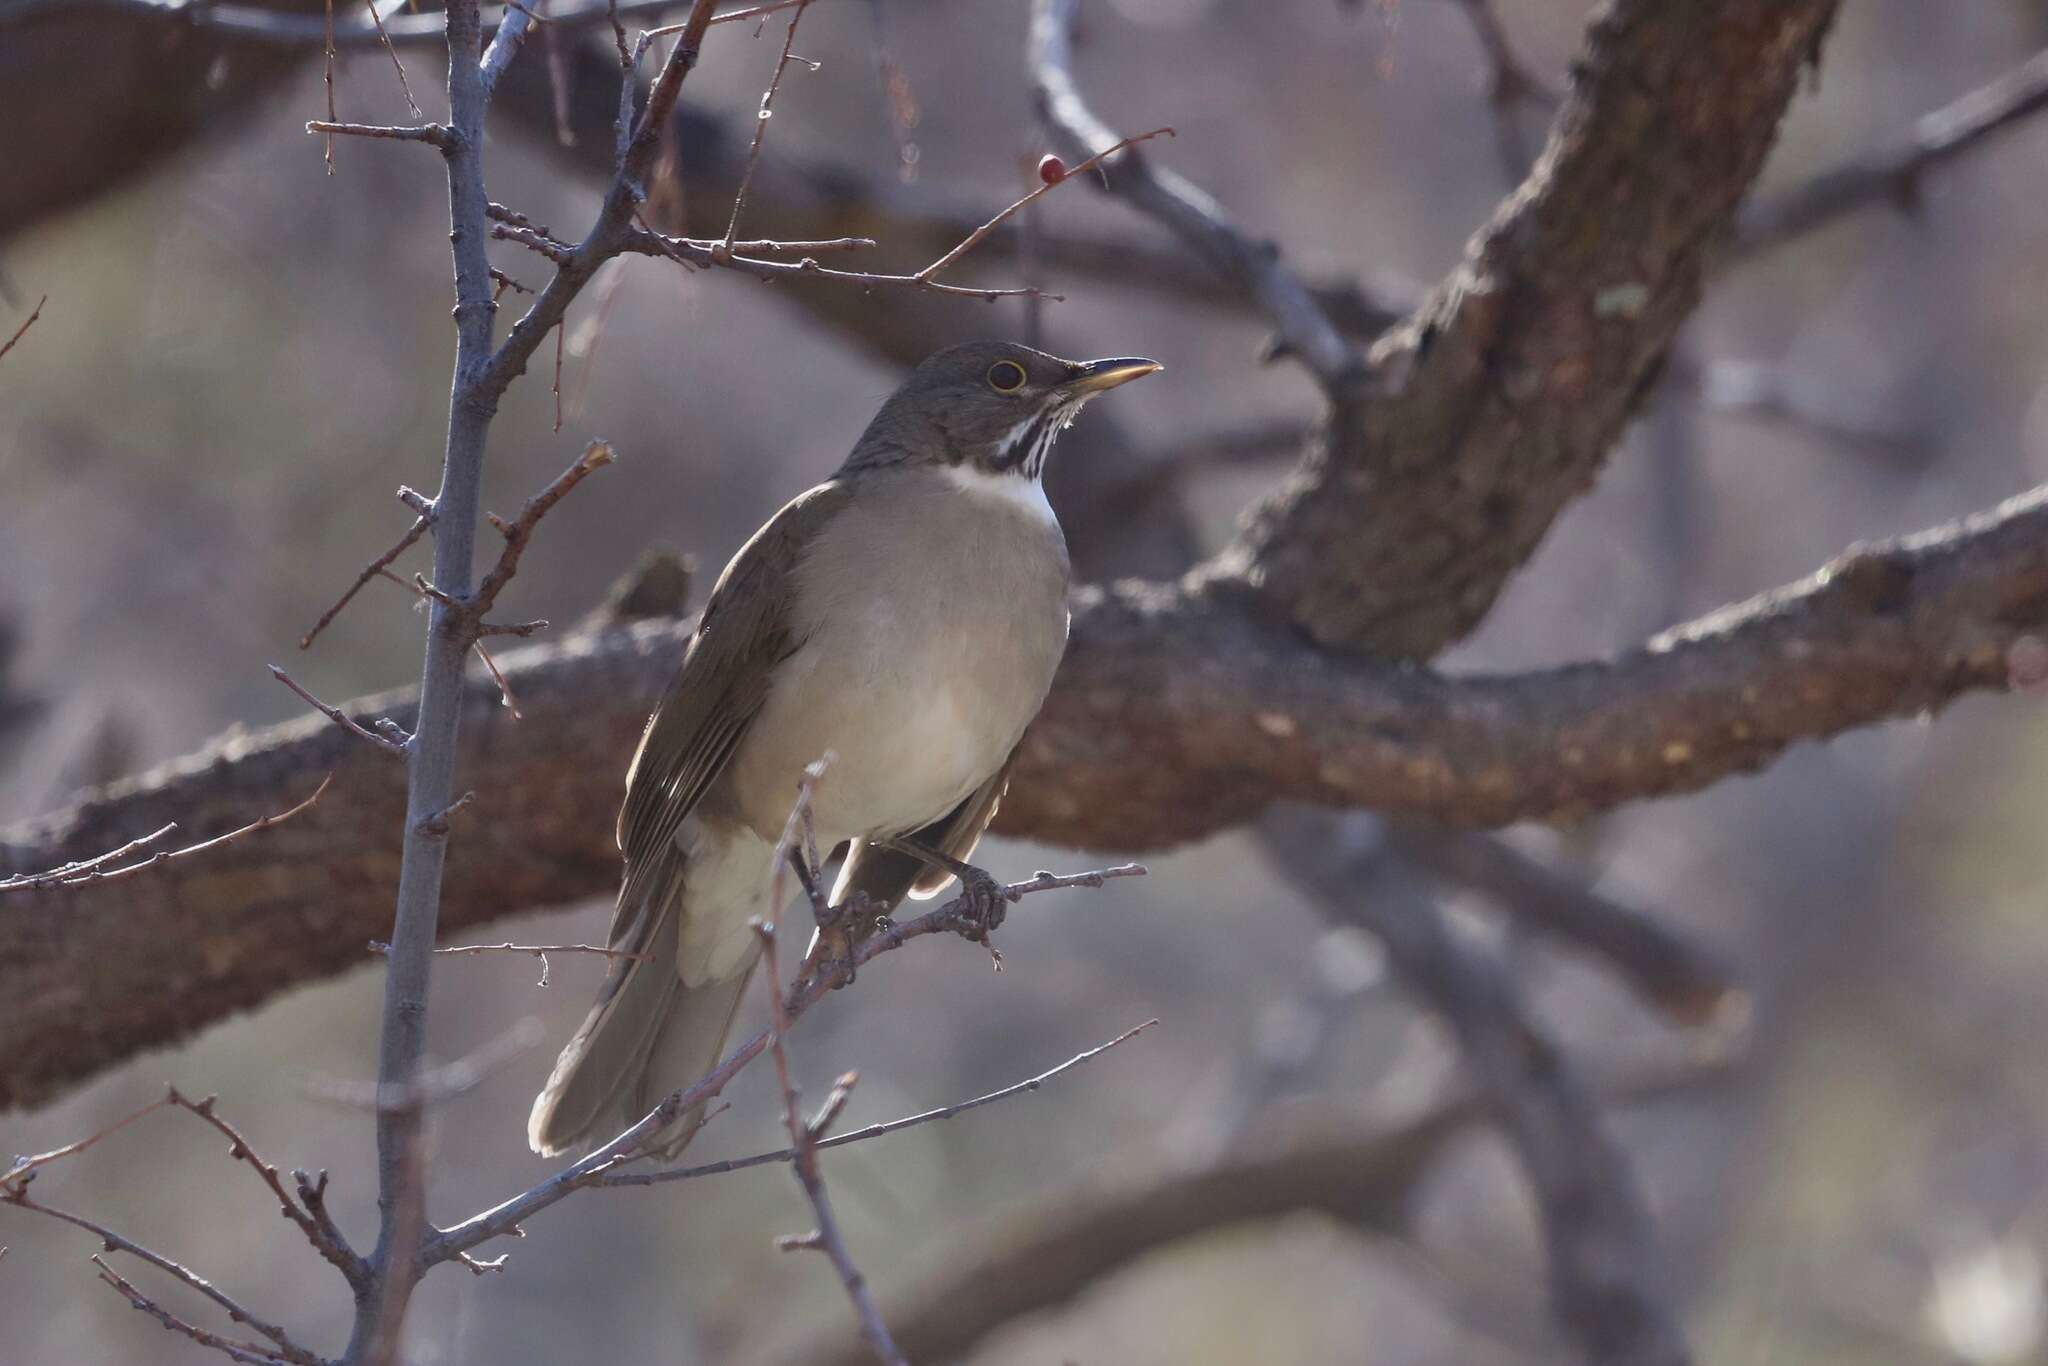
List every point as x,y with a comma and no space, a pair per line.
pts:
745,632
887,876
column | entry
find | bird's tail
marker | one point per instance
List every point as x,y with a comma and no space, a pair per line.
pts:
647,1035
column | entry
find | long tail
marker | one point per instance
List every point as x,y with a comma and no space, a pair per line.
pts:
647,1035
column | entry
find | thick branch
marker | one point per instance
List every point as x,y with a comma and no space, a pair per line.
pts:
1496,404
1173,717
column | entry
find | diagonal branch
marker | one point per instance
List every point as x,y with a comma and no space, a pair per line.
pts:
1893,173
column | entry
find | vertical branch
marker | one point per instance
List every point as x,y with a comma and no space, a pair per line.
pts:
430,754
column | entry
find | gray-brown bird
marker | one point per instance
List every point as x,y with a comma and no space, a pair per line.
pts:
907,616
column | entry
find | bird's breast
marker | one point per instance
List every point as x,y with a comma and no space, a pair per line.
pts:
932,621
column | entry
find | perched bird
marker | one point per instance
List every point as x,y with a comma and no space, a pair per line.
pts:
906,615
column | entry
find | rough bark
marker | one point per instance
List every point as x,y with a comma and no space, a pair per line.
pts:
1173,717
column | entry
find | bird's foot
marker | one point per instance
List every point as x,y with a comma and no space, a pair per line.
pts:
986,903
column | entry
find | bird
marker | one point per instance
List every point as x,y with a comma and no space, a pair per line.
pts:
905,616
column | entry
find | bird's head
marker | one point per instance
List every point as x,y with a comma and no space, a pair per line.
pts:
995,407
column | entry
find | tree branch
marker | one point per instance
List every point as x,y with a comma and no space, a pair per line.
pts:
1494,406
1046,1253
1174,716
1893,173
1607,1275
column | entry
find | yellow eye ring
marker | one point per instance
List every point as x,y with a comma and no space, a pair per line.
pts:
1006,377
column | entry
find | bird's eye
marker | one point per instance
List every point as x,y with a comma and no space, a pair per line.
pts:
1006,376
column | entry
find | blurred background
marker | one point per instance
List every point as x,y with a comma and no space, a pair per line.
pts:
241,357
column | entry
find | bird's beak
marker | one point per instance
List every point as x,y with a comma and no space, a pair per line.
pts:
1092,377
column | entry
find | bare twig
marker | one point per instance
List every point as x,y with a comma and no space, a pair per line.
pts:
328,47
1046,1252
540,951
734,1164
1303,329
23,1166
377,20
311,1219
372,570
431,133
761,117
1893,174
236,1350
93,871
803,1137
519,530
338,716
27,323
952,918
15,1192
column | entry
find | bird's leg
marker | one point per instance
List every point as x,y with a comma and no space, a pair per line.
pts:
833,946
808,876
987,902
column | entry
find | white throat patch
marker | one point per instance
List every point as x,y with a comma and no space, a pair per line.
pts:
1012,490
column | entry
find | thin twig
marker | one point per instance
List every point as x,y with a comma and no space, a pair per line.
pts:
1893,173
90,873
432,133
24,1165
398,66
338,716
332,115
803,1137
980,234
662,1178
371,571
519,531
16,1193
955,917
235,1349
319,1230
1303,329
52,876
35,313
761,118
540,951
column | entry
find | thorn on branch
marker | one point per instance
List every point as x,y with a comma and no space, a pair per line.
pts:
436,825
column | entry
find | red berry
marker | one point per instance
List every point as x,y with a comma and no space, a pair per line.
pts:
1051,169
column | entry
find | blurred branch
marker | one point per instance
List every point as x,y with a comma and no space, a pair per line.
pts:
26,324
1174,716
1609,1285
1304,330
1510,85
1046,1253
1892,174
1663,967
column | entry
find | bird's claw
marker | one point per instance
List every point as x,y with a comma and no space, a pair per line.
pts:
986,904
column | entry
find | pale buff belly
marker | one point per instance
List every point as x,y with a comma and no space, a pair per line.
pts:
940,621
